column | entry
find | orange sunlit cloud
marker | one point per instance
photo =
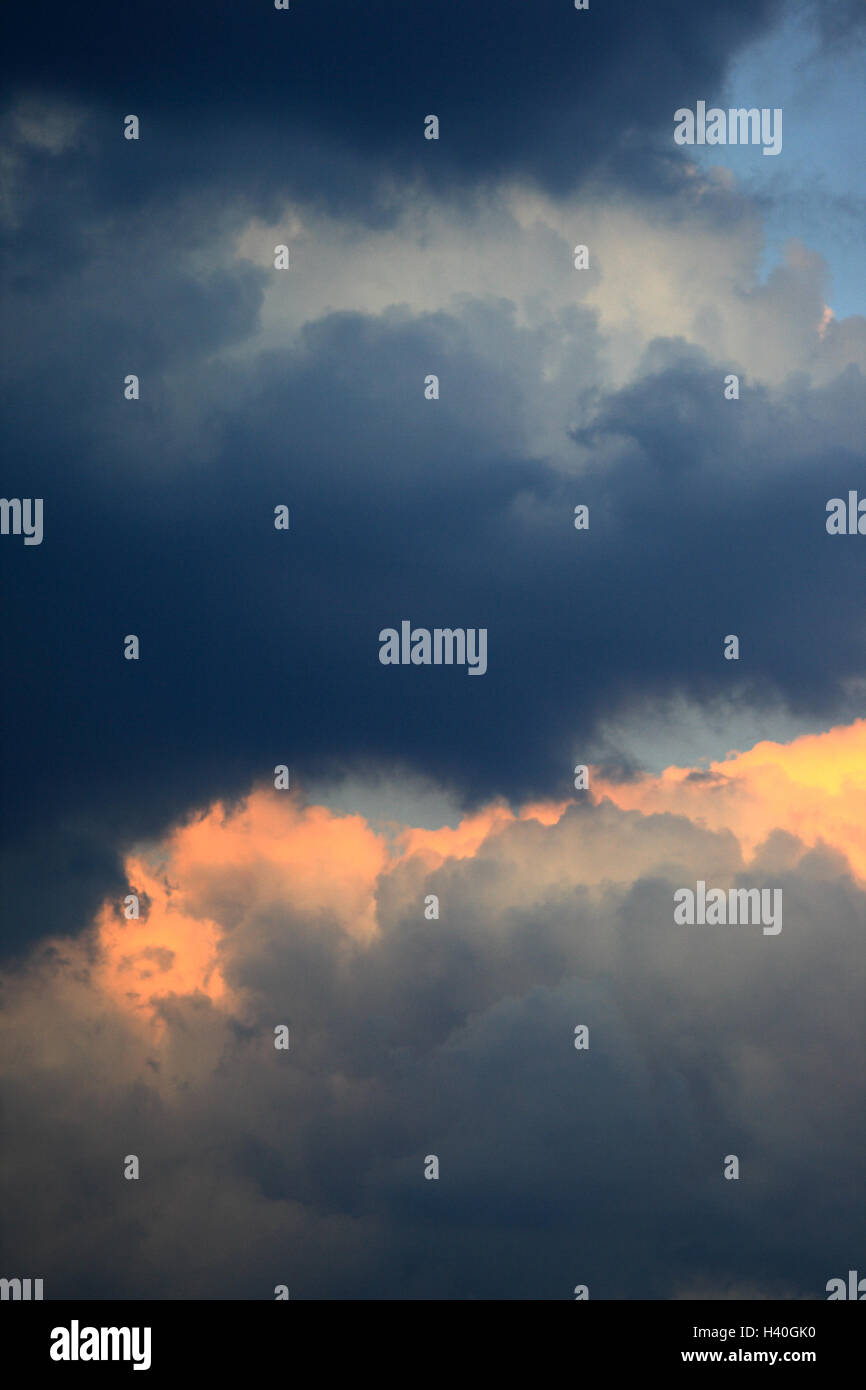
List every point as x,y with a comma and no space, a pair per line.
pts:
164,952
271,850
274,851
463,841
814,787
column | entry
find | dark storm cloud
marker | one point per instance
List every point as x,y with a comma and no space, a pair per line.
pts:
268,101
261,647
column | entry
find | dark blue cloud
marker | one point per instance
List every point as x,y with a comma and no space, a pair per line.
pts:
265,100
261,647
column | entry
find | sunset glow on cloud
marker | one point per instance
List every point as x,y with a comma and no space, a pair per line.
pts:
276,913
273,852
813,787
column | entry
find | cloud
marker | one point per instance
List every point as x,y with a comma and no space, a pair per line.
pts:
334,97
812,788
306,388
454,1036
260,647
409,1035
842,25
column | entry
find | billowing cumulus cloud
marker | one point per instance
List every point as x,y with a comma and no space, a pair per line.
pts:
813,788
454,1036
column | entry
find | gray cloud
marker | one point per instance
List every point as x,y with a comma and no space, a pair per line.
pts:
455,1038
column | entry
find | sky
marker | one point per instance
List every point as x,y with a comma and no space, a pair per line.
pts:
415,1030
819,192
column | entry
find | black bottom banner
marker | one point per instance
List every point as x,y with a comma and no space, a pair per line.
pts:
228,1338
